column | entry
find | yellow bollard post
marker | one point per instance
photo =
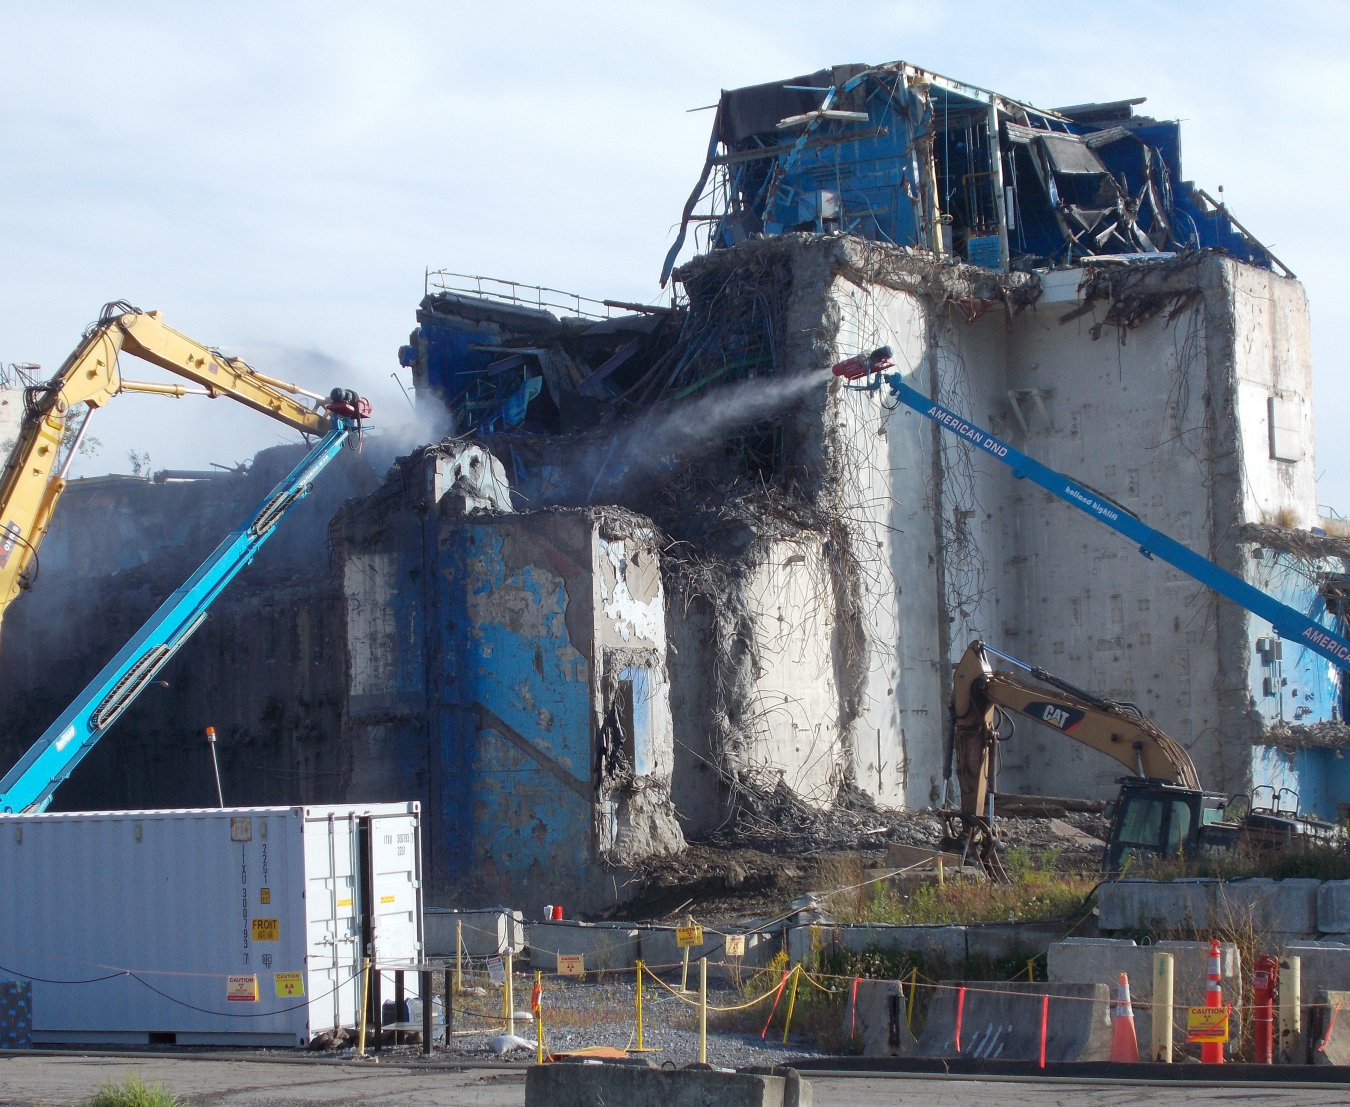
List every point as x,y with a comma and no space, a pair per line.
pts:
361,1013
913,982
1162,1008
940,874
538,1012
792,1000
508,997
459,955
702,1010
1031,969
639,1007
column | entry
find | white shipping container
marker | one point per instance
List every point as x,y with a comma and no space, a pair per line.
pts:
207,927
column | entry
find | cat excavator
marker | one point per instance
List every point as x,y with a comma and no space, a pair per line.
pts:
34,475
1162,811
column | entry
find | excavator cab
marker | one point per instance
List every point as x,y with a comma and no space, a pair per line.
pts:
1155,820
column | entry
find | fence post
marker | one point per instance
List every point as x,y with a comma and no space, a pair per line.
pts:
361,1013
508,996
639,1007
1290,1050
702,1010
792,1001
537,1009
400,997
1161,1008
449,1007
425,986
1045,1023
459,954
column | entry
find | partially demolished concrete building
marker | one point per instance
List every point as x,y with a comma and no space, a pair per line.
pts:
663,566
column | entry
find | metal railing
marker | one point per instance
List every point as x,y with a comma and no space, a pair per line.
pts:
513,292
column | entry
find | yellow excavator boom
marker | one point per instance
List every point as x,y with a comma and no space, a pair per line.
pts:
979,691
30,484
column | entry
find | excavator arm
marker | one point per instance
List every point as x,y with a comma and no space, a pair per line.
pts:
979,692
31,484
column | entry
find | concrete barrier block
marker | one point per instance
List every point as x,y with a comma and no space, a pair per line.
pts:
998,941
486,933
876,1021
1157,904
637,1085
1102,960
603,946
1333,907
1274,907
1003,1021
1324,966
1327,1033
934,943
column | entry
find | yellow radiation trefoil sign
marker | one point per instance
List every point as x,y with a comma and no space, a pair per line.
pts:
1207,1024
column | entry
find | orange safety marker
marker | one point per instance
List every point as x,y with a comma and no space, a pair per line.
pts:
1124,1043
1045,1023
960,1010
853,1008
1211,1053
777,996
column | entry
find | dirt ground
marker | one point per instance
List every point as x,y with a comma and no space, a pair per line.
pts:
758,868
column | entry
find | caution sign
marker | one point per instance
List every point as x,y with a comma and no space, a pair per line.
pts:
1207,1024
735,945
241,989
266,930
496,970
571,964
289,983
687,936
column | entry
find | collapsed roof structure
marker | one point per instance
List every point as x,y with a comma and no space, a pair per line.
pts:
900,154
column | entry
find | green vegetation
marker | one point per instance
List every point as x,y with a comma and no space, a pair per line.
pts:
1318,862
1037,892
134,1092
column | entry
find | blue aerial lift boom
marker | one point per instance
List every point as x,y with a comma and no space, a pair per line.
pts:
30,784
1287,621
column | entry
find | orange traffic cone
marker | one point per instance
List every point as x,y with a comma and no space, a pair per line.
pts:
1125,1045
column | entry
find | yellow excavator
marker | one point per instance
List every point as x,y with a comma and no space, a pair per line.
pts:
34,476
1161,810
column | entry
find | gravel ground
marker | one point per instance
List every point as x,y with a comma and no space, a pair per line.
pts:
604,1014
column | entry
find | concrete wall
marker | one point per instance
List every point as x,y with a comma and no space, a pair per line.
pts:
963,550
523,658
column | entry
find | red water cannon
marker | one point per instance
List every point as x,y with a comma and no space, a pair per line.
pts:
855,368
346,404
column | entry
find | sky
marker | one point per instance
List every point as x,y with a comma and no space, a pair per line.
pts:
276,178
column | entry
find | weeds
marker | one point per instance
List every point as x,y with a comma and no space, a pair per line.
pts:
1329,862
134,1092
1033,895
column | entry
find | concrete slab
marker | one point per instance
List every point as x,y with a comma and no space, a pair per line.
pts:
603,945
1002,1021
1283,910
1327,1033
876,1021
485,933
638,1085
937,943
1333,907
998,941
1102,960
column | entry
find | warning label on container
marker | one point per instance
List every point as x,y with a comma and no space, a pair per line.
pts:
1207,1024
241,989
571,964
387,899
345,902
241,829
266,930
686,936
289,983
264,894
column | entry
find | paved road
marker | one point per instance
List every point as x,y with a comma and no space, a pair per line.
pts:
29,1081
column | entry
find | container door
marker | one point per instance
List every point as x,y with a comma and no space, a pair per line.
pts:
334,954
396,893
